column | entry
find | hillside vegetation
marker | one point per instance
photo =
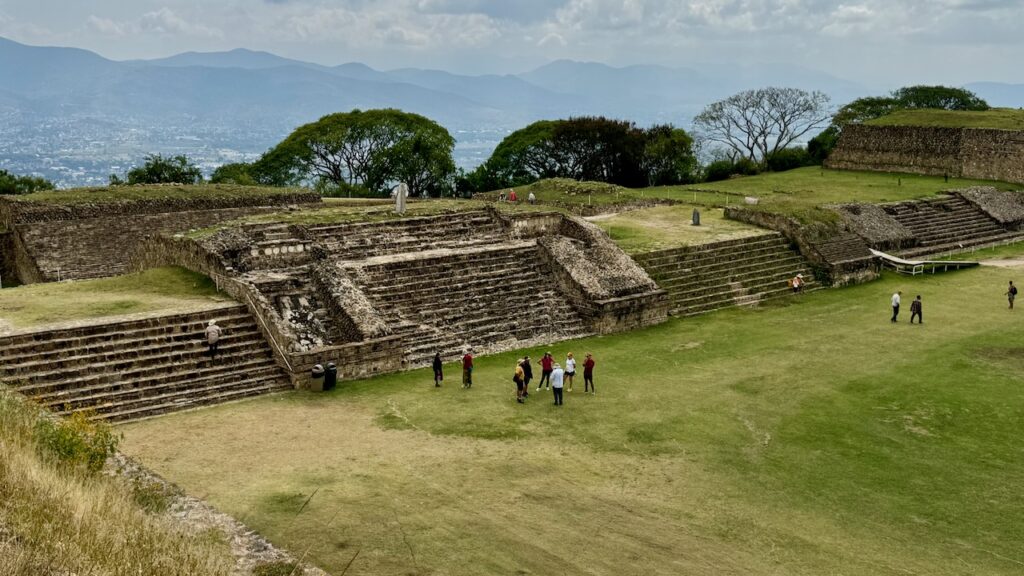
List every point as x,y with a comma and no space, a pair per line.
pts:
997,118
59,515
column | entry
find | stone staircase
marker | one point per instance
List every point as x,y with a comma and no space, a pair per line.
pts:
477,297
946,224
357,240
141,368
742,272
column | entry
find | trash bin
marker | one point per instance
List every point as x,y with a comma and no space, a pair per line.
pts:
330,376
316,378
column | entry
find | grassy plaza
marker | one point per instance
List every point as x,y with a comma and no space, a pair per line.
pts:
807,437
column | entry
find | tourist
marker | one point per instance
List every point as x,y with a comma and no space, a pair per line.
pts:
556,384
588,374
501,196
546,363
467,369
527,375
896,305
531,198
512,195
797,283
570,370
915,310
520,379
1011,293
438,370
212,339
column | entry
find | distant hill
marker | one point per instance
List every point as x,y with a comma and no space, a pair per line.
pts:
237,58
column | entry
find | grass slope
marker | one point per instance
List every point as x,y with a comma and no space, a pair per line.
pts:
811,438
997,118
156,290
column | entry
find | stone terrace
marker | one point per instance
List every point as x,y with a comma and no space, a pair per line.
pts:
140,368
740,272
946,224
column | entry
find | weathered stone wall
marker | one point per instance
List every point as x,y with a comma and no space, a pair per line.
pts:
958,152
8,270
1004,207
876,226
97,247
837,256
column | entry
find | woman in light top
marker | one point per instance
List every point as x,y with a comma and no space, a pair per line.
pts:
570,370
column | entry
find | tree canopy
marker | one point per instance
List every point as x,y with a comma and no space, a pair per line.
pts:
756,124
14,184
909,97
371,149
589,148
158,169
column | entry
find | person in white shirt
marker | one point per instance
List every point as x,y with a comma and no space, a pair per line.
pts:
570,370
896,305
556,383
531,198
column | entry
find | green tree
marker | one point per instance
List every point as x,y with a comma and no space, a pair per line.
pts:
373,150
756,124
939,97
234,173
14,184
819,147
158,169
864,109
587,148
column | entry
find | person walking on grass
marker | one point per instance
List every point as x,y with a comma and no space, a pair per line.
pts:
520,379
556,383
588,374
915,310
212,339
1011,294
467,369
895,305
546,365
570,370
438,370
527,376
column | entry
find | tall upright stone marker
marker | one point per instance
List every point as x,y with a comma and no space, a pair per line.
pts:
401,193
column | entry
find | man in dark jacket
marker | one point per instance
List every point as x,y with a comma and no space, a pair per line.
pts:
527,375
915,310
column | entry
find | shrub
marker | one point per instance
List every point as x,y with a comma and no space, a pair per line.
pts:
76,440
13,184
161,170
276,569
788,159
724,169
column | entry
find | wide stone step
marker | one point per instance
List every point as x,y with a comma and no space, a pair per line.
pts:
718,261
39,355
468,258
83,334
714,306
196,399
656,259
120,401
58,393
777,276
740,267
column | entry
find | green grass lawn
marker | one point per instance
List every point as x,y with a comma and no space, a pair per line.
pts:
998,118
156,290
150,192
798,192
664,227
809,437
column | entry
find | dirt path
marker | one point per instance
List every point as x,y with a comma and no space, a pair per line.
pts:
1004,263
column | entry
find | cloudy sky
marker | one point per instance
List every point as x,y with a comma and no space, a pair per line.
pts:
880,43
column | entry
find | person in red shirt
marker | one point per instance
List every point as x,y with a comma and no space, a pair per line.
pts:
546,367
467,370
588,375
512,195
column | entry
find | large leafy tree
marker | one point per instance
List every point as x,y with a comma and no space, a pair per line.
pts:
588,148
14,184
158,169
371,149
909,97
756,124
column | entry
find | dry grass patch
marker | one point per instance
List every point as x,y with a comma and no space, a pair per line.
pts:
664,227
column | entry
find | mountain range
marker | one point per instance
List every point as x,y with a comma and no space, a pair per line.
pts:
219,105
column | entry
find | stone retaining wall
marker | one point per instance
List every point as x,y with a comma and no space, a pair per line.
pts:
853,265
958,152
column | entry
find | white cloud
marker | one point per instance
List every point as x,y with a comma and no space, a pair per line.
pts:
161,22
